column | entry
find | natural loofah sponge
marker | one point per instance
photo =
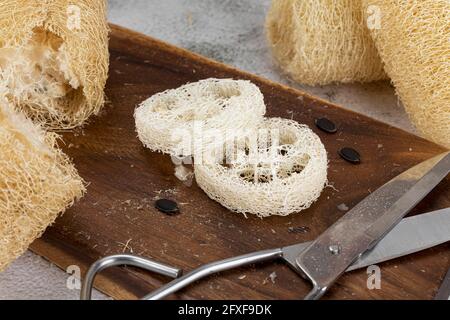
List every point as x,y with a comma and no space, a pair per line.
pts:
37,182
277,169
54,59
317,42
199,116
414,43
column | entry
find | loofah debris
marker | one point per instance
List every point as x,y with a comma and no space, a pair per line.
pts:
198,117
54,59
414,43
279,168
317,42
37,182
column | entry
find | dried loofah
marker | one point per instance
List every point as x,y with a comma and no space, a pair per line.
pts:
277,169
318,42
54,59
37,182
198,116
414,43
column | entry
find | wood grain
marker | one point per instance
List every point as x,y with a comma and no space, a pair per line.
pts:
117,214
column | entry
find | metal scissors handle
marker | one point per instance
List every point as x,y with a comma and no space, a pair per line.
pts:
124,259
212,268
163,269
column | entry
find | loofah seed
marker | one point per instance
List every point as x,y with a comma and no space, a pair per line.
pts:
414,43
317,42
37,182
277,169
198,117
54,59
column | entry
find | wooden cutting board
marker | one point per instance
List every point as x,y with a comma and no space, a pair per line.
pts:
118,215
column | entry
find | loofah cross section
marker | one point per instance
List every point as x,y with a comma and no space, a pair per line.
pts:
278,168
198,117
317,42
37,182
54,59
414,43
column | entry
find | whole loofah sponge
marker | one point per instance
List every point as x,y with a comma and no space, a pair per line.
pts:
317,42
414,43
54,59
199,116
37,182
279,168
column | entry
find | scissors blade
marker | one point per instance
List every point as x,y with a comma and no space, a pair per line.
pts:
367,223
444,290
411,235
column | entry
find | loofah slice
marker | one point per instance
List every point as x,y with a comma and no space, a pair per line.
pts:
277,169
37,182
54,59
317,42
199,116
414,43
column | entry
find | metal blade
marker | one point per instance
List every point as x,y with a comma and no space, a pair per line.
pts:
411,235
444,290
367,223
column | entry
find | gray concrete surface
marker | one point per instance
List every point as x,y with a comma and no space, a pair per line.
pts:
230,31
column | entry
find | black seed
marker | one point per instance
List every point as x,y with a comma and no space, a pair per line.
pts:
351,155
167,206
326,125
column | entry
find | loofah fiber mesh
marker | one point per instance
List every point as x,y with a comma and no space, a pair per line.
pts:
317,42
37,182
52,65
279,168
198,116
414,43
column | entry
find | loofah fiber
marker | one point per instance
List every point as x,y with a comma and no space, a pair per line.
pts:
414,43
37,182
317,42
54,59
200,116
279,168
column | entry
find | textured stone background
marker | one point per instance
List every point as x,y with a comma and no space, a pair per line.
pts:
232,32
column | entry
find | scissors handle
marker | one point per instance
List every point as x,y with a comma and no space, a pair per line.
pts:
212,268
124,259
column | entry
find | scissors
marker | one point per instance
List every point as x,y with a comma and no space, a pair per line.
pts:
444,290
372,232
